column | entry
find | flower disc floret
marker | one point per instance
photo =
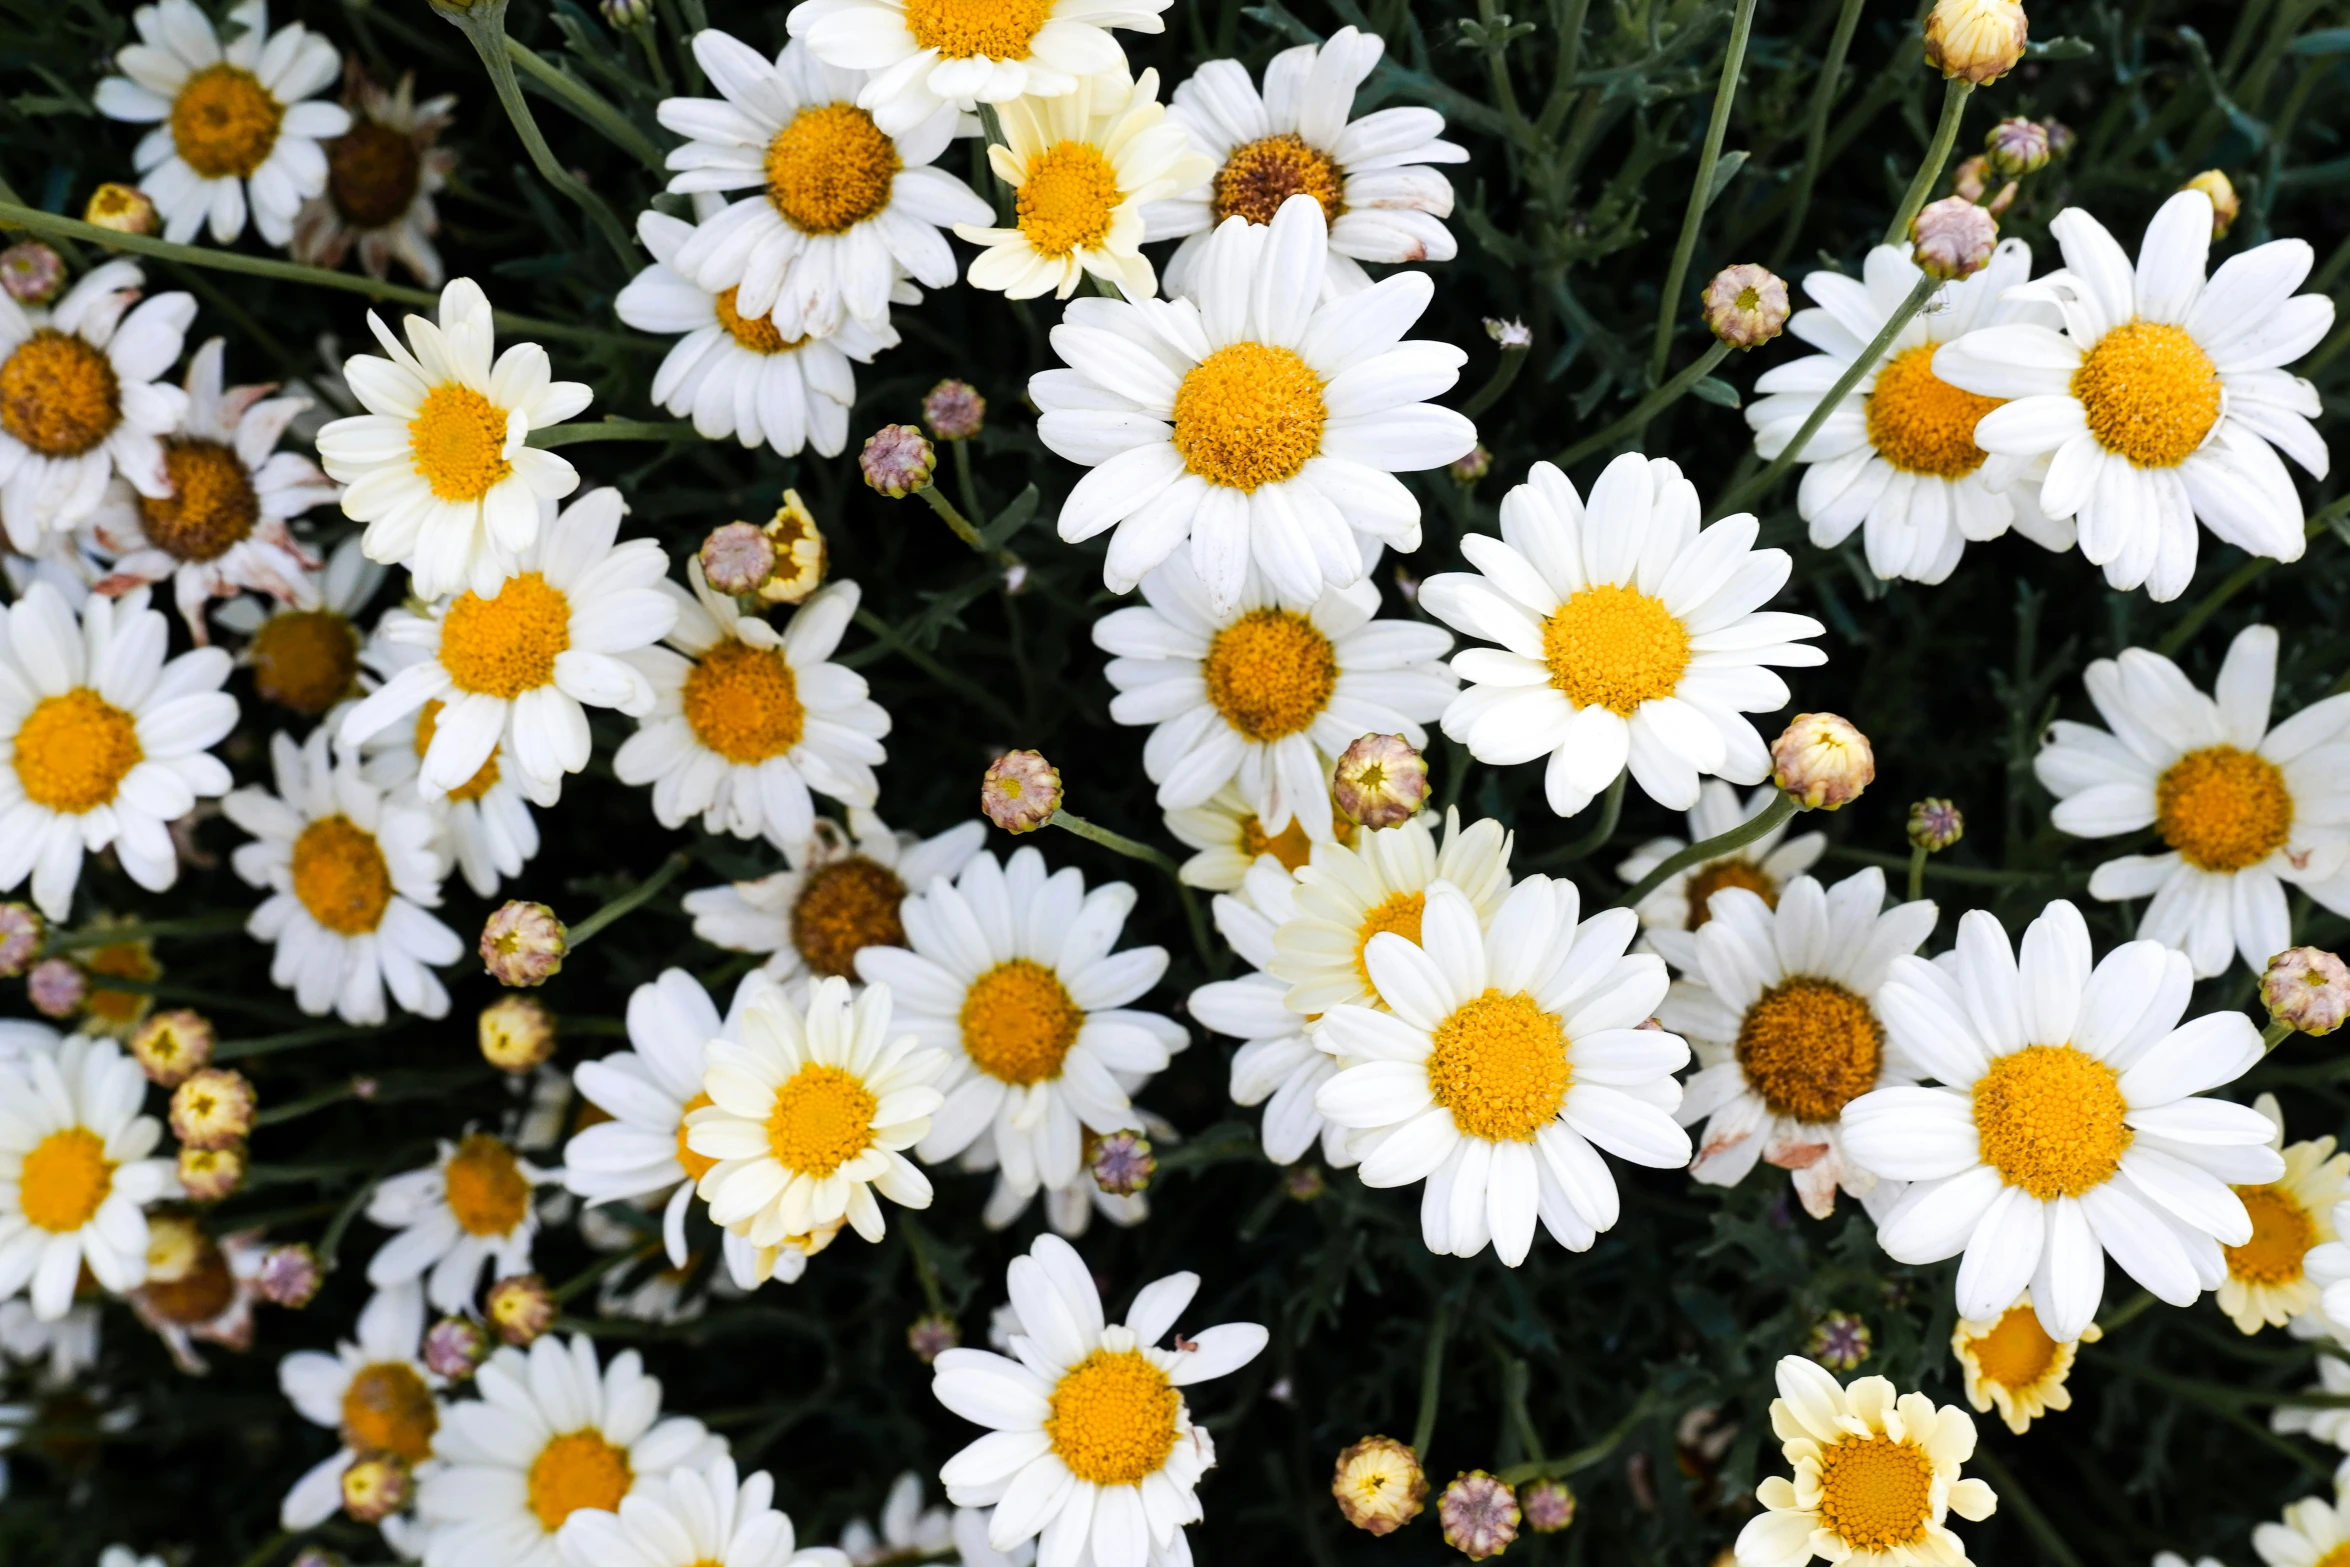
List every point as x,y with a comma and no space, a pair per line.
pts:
58,395
1399,912
2150,393
341,876
743,702
1711,879
1875,1493
485,777
1248,415
2049,1118
2282,1233
823,1118
696,1165
1270,673
1809,1047
1113,1418
211,507
457,443
2222,808
1500,1066
575,1471
64,1180
506,645
1615,647
224,122
388,1409
844,907
74,750
372,174
1920,423
2017,1352
1068,199
830,169
488,1193
977,29
1260,175
1019,1022
758,334
305,659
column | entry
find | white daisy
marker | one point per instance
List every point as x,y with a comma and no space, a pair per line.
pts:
908,1529
235,125
305,655
706,1517
1254,419
2067,1128
2314,1530
1629,637
75,1176
1899,453
1010,971
81,399
374,1392
551,1434
1776,1001
381,177
840,207
2327,1423
1370,175
1069,1209
1508,1052
2270,1282
1091,1444
2164,399
349,876
1230,840
1762,867
472,1205
436,466
744,720
59,1351
102,742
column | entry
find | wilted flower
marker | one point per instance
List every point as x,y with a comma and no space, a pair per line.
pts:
1934,825
2017,146
736,557
455,1347
932,1335
126,209
1980,40
520,1308
1380,781
375,1487
1123,1164
954,410
1746,305
1549,1505
213,1108
517,1033
1480,1515
31,272
1513,337
1823,761
170,1045
2307,989
1021,791
1839,1340
897,460
523,944
2225,204
209,1174
1379,1485
57,987
1953,238
290,1276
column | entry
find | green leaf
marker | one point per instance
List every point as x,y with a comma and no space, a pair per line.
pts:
2060,49
2326,40
1713,389
1724,172
1005,524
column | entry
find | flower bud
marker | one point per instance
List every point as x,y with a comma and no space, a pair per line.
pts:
1971,178
1980,40
898,460
2307,989
171,1045
2017,146
1746,305
1549,1505
1304,1183
1123,1164
1512,337
2060,139
375,1487
1379,1485
1380,781
1952,238
517,1033
1839,1340
209,1174
32,272
2224,202
1480,1514
213,1108
523,944
1934,825
799,552
622,15
1471,465
1823,761
289,1276
737,558
56,987
954,410
123,208
1020,791
520,1308
932,1336
455,1347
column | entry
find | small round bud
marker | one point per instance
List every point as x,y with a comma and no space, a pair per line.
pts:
1480,1514
32,272
1380,781
520,1308
2307,989
1304,1183
1123,1163
799,552
624,15
209,1174
898,460
1746,305
954,410
125,209
1952,238
1839,1340
2060,139
517,1033
2224,201
1971,178
1470,466
289,1276
931,1336
523,944
1020,791
2017,146
171,1045
1379,1485
22,934
375,1487
1823,761
57,987
213,1108
737,558
1980,40
1513,337
1549,1505
455,1347
1934,825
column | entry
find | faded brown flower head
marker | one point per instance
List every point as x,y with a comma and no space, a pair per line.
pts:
32,272
126,209
1549,1505
170,1045
1480,1515
1822,760
523,944
2308,989
213,1108
520,1308
2017,146
517,1033
1020,791
736,558
1380,781
1746,305
1934,825
1980,40
954,410
209,1174
1953,238
897,460
2225,204
1512,337
1379,1485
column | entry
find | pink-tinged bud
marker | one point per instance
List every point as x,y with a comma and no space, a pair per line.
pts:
1823,761
56,987
1480,1515
1746,305
1512,337
954,410
1952,238
1934,825
2307,989
1470,466
210,1174
736,558
125,209
2225,204
290,1276
1549,1505
32,273
1123,1164
375,1487
897,460
932,1336
523,944
213,1108
1980,40
1971,178
1840,1341
2017,146
1304,1183
1379,1485
1020,791
517,1034
170,1046
2060,139
455,1347
22,933
520,1309
1380,781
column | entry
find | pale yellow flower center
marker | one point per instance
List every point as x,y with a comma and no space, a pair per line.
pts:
73,751
1615,647
1270,673
1249,414
2049,1119
1500,1066
2223,809
1113,1418
2150,392
1019,1023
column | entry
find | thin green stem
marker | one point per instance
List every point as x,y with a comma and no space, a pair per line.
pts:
925,1271
1815,134
1505,370
1648,407
595,1270
485,27
1738,837
636,897
268,1549
1497,66
887,635
154,930
1570,55
1954,99
652,49
2134,1308
2275,1034
295,1039
1973,875
1119,843
1701,189
1918,855
1591,1453
965,485
672,430
2236,582
1431,1380
587,103
1611,810
952,518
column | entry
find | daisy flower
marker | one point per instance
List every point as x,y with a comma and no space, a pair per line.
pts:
840,207
349,876
1370,175
736,375
2164,399
1253,419
102,742
2242,808
1629,637
374,1392
839,896
1091,1445
2011,1364
1081,168
1777,1004
552,1434
1230,838
1763,867
925,55
744,720
2268,1282
1876,1477
517,667
222,526
2313,1530
908,1529
2327,1423
81,400
1268,693
705,1517
1898,454
381,177
199,1289
437,465
60,1350
484,823
79,1179
235,125
2067,1127
472,1205
305,654
1010,972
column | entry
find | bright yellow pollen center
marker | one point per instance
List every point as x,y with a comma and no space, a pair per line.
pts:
1920,423
1398,912
73,751
744,703
830,169
485,777
2282,1233
212,506
488,1192
1113,1419
1260,175
2017,1352
1249,414
2049,1119
64,1179
1500,1066
305,659
756,333
58,395
1727,873
977,29
457,443
2150,393
1290,846
844,907
506,645
2223,809
696,1165
388,1409
576,1471
2339,1556
1875,1493
224,122
1615,647
823,1118
1270,673
1018,1022
1810,1047
341,877
1067,200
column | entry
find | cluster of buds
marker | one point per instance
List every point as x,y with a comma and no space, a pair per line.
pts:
2306,991
523,944
170,1047
517,1034
1380,781
520,1308
1822,761
1745,305
1020,791
781,561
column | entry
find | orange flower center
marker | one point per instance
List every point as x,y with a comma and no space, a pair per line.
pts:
224,122
58,395
1019,1023
1260,175
211,508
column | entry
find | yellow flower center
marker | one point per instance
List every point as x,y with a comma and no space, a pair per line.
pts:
1260,175
844,907
1290,845
488,1192
977,29
1068,198
2150,392
1875,1493
64,1179
484,777
2017,1352
1398,912
506,645
58,395
2049,1119
1615,647
1113,1419
341,877
457,443
224,122
823,1118
305,659
388,1409
696,1165
830,169
1710,879
2282,1233
1920,423
744,703
372,174
2222,808
2339,1556
1500,1066
1270,673
1810,1047
123,960
1018,1022
1249,414
755,333
576,1471
212,506
73,751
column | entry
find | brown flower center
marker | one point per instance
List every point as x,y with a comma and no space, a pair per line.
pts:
1260,175
211,507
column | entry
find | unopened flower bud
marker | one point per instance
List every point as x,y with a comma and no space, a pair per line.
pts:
2017,146
2307,989
2060,138
1934,825
210,1174
736,558
56,987
22,933
897,460
520,1308
1480,1514
1471,465
1839,1340
1380,781
1123,1163
126,209
1304,1183
455,1347
1823,761
623,15
517,1033
171,1045
213,1108
32,272
289,1276
1980,40
1971,178
954,410
1512,337
1549,1505
2224,202
523,944
1952,238
932,1336
800,559
375,1487
1020,791
1379,1485
1745,305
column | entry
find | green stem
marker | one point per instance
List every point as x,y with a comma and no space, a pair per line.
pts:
484,27
1648,407
553,435
2236,582
271,1044
643,892
1954,99
1738,837
1918,855
1611,810
644,38
1505,370
952,518
1815,134
965,485
588,104
1973,875
268,1549
102,936
1593,1453
1701,189
596,1270
2137,1306
1119,843
1431,1380
1513,1397
2275,1034
925,1271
